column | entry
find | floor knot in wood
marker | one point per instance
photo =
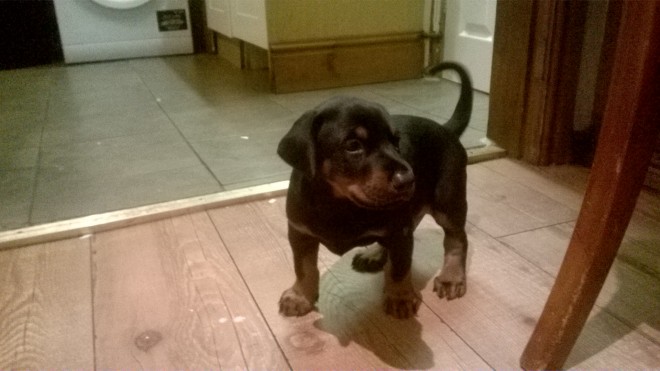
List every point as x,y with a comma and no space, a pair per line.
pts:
148,340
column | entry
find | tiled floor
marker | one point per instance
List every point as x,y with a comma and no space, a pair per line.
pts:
84,139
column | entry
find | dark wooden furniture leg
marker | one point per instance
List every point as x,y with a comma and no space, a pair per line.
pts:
630,127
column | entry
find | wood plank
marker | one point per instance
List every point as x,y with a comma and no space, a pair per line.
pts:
608,343
46,307
505,296
629,293
542,180
501,207
351,329
641,241
168,296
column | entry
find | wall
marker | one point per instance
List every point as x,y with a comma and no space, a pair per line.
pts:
291,21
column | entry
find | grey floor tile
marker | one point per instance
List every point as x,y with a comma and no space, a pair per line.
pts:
118,100
16,197
173,99
473,138
116,157
187,83
9,118
234,159
27,84
67,130
480,112
19,143
304,101
33,104
12,159
281,176
23,99
93,77
424,94
66,198
237,118
20,133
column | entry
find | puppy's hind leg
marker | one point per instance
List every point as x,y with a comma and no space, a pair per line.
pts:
371,259
299,299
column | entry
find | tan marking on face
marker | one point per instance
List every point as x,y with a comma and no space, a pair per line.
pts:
372,191
339,185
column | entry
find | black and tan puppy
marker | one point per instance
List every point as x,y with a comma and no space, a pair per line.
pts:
360,176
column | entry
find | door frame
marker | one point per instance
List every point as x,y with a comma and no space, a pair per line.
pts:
535,72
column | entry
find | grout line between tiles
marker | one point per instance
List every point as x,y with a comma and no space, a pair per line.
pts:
37,165
176,127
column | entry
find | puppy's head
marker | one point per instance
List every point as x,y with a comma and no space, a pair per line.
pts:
352,145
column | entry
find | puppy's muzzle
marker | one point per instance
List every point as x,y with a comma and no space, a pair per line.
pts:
403,181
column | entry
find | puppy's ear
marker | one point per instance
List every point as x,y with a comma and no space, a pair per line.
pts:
298,147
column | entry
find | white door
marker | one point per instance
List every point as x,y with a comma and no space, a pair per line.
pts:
469,32
218,16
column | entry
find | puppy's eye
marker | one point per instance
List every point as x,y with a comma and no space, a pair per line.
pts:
353,146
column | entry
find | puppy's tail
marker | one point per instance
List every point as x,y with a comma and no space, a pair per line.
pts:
461,117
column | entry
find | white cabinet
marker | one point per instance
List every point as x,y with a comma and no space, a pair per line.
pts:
218,16
240,19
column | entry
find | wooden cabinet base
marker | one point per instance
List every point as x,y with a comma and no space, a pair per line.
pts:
328,64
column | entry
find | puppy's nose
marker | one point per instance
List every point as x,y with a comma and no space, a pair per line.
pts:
403,180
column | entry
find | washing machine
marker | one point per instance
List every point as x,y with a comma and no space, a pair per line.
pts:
97,30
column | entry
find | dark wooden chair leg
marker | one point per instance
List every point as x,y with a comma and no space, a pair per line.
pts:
630,127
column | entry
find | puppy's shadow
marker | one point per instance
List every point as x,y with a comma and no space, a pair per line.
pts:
352,308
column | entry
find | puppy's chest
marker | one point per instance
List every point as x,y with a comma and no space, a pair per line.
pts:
340,234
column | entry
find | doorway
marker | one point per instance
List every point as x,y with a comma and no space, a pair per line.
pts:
30,35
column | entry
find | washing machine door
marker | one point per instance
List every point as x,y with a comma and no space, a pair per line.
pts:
121,4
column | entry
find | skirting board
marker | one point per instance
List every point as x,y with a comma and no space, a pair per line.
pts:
88,225
336,63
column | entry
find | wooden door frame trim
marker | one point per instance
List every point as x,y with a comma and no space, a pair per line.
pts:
534,78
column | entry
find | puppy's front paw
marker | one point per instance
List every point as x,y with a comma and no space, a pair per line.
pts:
293,303
450,283
402,304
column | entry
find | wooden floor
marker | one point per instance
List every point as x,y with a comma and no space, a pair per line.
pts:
200,291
